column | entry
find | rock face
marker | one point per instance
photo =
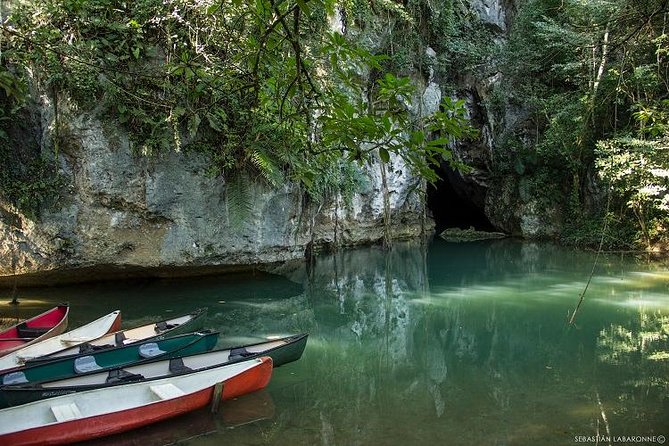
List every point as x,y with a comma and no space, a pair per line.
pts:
121,209
124,210
492,12
504,198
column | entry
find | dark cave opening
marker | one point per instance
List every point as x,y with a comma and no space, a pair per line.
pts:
457,203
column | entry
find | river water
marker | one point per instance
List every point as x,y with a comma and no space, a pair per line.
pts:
456,344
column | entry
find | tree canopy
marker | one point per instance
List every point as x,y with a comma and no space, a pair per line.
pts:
596,76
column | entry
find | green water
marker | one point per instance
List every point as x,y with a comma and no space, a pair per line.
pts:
454,345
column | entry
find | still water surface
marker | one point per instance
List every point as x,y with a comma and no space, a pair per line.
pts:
459,344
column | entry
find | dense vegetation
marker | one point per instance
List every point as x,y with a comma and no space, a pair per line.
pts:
267,88
595,76
272,90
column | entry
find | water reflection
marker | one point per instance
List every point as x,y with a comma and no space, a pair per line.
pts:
459,344
251,408
471,344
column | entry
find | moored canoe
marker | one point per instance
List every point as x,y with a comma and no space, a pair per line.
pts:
281,350
157,330
82,416
85,333
284,350
187,344
43,326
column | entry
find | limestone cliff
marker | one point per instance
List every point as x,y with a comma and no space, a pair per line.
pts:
126,211
504,198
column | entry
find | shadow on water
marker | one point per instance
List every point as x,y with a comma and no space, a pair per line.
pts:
459,344
151,299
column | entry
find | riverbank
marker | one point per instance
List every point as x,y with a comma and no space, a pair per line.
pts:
70,275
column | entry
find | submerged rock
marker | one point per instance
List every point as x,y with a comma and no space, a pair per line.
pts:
469,235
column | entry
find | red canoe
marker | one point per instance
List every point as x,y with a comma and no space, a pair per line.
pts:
83,416
38,328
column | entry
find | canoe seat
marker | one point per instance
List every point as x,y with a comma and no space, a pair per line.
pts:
85,364
239,352
123,376
119,338
150,350
14,378
23,331
167,391
66,412
162,326
177,366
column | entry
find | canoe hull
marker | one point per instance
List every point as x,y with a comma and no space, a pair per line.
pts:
88,428
151,332
55,320
93,330
288,353
107,359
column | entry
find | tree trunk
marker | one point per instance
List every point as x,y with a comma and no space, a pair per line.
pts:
387,237
602,62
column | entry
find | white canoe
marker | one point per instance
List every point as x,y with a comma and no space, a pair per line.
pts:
86,415
85,333
169,327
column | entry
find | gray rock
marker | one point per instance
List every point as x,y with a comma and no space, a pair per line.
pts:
491,12
469,235
127,210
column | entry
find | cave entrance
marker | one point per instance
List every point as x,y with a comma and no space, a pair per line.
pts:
457,203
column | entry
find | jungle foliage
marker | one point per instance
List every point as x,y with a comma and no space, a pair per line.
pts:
595,76
311,91
266,88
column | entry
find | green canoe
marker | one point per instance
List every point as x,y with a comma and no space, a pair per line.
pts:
281,350
187,344
186,323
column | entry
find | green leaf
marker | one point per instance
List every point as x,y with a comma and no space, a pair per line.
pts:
193,125
213,9
384,155
302,4
308,179
387,124
216,121
418,137
178,112
260,7
439,142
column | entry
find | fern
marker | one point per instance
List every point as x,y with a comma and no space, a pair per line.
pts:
238,200
267,167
